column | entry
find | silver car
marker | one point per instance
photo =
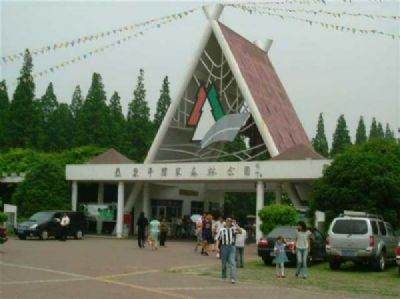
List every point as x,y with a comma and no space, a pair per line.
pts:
361,238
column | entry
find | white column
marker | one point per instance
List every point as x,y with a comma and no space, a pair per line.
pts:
278,194
259,206
146,200
120,209
100,193
74,195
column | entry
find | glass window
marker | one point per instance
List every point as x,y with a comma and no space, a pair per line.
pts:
389,229
350,227
382,228
197,207
41,216
284,231
374,227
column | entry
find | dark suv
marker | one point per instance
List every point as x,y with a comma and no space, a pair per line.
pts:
44,225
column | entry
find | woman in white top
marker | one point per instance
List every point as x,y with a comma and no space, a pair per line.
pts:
302,249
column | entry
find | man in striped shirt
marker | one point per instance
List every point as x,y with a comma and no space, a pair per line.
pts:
227,238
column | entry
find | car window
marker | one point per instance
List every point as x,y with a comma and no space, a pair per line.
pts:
382,228
284,231
350,227
389,229
374,227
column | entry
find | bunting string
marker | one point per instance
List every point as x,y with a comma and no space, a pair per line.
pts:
94,37
116,43
335,14
324,25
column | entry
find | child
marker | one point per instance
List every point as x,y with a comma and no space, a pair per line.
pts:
154,233
280,257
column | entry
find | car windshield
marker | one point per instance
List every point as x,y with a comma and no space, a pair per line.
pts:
350,227
284,231
41,216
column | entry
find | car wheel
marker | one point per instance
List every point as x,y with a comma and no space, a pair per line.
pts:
334,265
44,235
379,264
79,235
22,237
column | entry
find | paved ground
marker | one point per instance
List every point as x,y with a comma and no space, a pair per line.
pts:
109,268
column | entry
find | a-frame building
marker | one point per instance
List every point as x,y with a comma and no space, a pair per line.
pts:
232,106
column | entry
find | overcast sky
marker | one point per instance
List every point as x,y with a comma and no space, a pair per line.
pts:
322,70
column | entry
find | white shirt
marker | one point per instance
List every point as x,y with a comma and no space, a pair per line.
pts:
65,221
302,239
241,238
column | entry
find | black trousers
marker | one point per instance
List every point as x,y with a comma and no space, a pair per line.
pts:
141,237
63,233
163,238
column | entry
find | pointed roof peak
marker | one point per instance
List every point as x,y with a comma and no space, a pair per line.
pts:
111,156
213,11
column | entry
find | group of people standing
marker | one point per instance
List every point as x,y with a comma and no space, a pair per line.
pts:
153,232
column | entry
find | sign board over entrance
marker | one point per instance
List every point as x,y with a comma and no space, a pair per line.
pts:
295,170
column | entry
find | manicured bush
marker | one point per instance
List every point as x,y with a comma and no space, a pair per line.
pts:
277,214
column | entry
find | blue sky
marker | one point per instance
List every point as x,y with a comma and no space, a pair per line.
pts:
321,69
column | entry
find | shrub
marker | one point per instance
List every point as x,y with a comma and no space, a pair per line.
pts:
3,218
277,214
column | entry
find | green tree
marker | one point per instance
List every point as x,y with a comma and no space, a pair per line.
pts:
117,123
47,106
139,127
76,102
341,137
381,133
319,142
364,178
22,124
276,214
163,103
4,106
93,122
61,130
44,188
361,134
389,134
373,130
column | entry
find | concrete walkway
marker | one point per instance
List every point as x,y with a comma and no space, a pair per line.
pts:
111,268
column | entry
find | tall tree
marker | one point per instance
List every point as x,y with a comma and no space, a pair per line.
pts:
47,105
4,106
381,133
93,122
341,137
389,134
117,123
319,142
361,134
22,125
62,128
163,103
76,102
373,131
139,126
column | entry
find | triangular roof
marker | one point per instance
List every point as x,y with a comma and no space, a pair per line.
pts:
259,89
299,152
111,156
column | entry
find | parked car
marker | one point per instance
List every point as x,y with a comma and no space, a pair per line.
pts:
362,238
265,246
398,256
44,225
3,235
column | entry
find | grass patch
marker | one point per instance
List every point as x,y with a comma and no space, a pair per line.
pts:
350,279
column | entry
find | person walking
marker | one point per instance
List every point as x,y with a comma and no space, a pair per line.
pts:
163,232
302,249
142,224
240,243
64,225
199,234
207,234
154,233
227,237
280,257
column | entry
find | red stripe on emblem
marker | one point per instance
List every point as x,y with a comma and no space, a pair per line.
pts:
196,112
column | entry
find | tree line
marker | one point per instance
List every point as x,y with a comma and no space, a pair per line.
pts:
341,136
44,124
